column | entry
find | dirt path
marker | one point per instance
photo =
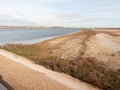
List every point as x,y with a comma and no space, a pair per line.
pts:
22,74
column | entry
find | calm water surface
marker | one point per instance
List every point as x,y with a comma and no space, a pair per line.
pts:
31,36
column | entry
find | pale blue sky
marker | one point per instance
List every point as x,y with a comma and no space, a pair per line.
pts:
69,13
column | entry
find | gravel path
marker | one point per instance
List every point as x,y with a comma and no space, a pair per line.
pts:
22,74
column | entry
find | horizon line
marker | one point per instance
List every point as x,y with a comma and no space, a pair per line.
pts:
5,26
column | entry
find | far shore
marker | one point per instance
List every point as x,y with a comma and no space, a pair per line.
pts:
37,27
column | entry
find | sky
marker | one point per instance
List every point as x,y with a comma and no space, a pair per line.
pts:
66,13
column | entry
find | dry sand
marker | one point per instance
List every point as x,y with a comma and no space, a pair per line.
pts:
104,45
22,74
106,48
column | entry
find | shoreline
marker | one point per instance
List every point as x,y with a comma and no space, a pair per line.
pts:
30,42
39,39
35,41
62,78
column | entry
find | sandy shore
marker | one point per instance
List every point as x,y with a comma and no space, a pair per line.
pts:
23,74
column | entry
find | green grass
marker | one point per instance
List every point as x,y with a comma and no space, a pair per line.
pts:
85,69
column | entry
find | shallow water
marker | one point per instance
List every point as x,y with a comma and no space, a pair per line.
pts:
31,36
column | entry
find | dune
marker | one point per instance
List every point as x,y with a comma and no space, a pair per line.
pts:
99,44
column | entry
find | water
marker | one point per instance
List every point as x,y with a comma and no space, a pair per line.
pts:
31,36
